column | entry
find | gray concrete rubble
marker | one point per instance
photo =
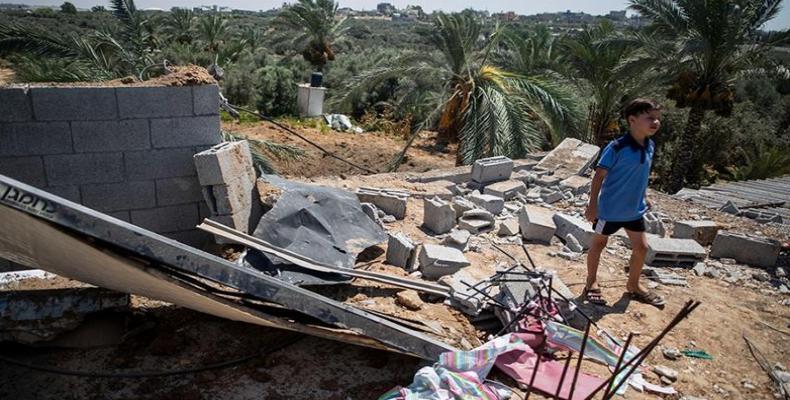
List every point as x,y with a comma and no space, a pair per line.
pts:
751,250
508,227
224,163
578,185
437,261
654,225
492,204
391,201
492,169
536,224
506,189
438,215
669,251
476,221
548,181
401,251
573,244
575,226
461,205
664,277
373,212
571,157
458,239
550,196
730,208
466,299
702,231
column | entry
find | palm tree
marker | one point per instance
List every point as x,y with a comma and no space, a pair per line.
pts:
212,30
602,66
318,27
485,108
711,42
180,25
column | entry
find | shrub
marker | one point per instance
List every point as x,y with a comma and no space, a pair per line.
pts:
276,91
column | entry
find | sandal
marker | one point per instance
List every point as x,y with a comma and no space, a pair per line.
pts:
594,296
648,297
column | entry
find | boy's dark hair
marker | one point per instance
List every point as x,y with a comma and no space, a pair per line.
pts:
640,106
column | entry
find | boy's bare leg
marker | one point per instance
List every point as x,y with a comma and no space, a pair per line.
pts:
638,254
594,258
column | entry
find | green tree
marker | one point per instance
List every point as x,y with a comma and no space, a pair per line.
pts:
98,9
180,25
318,28
212,30
276,91
704,45
68,8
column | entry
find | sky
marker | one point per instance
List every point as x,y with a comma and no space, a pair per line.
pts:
524,7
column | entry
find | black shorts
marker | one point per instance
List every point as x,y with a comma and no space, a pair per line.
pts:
609,227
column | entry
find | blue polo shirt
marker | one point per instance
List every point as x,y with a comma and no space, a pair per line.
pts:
622,196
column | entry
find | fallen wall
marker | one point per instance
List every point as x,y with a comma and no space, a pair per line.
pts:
124,151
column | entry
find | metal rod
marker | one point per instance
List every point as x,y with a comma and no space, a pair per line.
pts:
562,377
485,295
619,362
534,374
579,363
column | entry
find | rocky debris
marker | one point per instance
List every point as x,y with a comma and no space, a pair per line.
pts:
492,204
438,215
492,169
573,244
751,250
373,212
536,224
578,185
506,189
671,353
409,299
401,251
666,372
704,232
469,301
730,208
699,269
437,261
575,226
508,227
550,196
461,205
570,157
458,239
475,221
391,201
664,277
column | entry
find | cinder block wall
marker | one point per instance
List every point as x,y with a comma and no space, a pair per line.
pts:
125,151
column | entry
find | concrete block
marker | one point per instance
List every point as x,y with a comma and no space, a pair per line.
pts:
506,189
548,181
579,228
14,105
170,191
578,185
225,162
751,250
458,239
536,224
71,193
508,227
372,212
239,221
401,251
492,169
155,102
464,298
550,196
96,136
461,205
573,244
35,138
74,103
664,277
73,169
438,215
167,219
206,99
653,224
154,164
29,170
476,221
704,232
391,201
182,132
120,196
492,204
571,157
437,261
233,198
668,251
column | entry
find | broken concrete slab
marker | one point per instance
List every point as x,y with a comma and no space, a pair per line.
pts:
573,244
537,224
464,298
458,238
492,169
550,196
372,211
401,251
664,277
548,181
704,232
437,261
508,227
391,201
438,215
492,204
571,157
579,228
506,189
578,185
751,250
475,221
461,205
730,208
225,162
670,251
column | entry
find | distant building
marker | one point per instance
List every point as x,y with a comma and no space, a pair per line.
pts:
13,7
509,16
386,9
616,15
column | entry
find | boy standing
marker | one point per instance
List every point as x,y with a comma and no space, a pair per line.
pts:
618,198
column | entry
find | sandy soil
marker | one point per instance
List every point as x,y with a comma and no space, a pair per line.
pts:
188,75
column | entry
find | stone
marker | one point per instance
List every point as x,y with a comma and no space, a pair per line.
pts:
461,205
506,189
579,228
536,224
699,269
464,298
409,299
730,208
547,181
224,163
391,201
371,211
508,227
704,232
492,169
551,196
573,244
570,157
761,276
664,277
568,254
671,353
712,273
578,185
780,272
437,261
751,250
458,238
669,251
438,215
401,251
492,204
666,372
476,221
654,225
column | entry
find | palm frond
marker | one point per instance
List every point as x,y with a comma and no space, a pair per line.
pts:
263,150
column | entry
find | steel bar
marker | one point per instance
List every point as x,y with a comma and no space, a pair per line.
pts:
579,363
620,359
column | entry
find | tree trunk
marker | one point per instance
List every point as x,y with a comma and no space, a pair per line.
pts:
687,141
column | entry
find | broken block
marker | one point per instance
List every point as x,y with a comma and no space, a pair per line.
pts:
571,157
391,201
548,181
578,185
536,224
492,169
458,239
654,225
476,220
508,227
730,208
704,232
751,250
225,162
579,228
438,215
664,277
573,244
401,251
492,204
437,261
461,205
371,211
466,299
668,251
506,189
232,197
550,196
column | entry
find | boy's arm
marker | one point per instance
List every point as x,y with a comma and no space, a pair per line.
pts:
591,213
